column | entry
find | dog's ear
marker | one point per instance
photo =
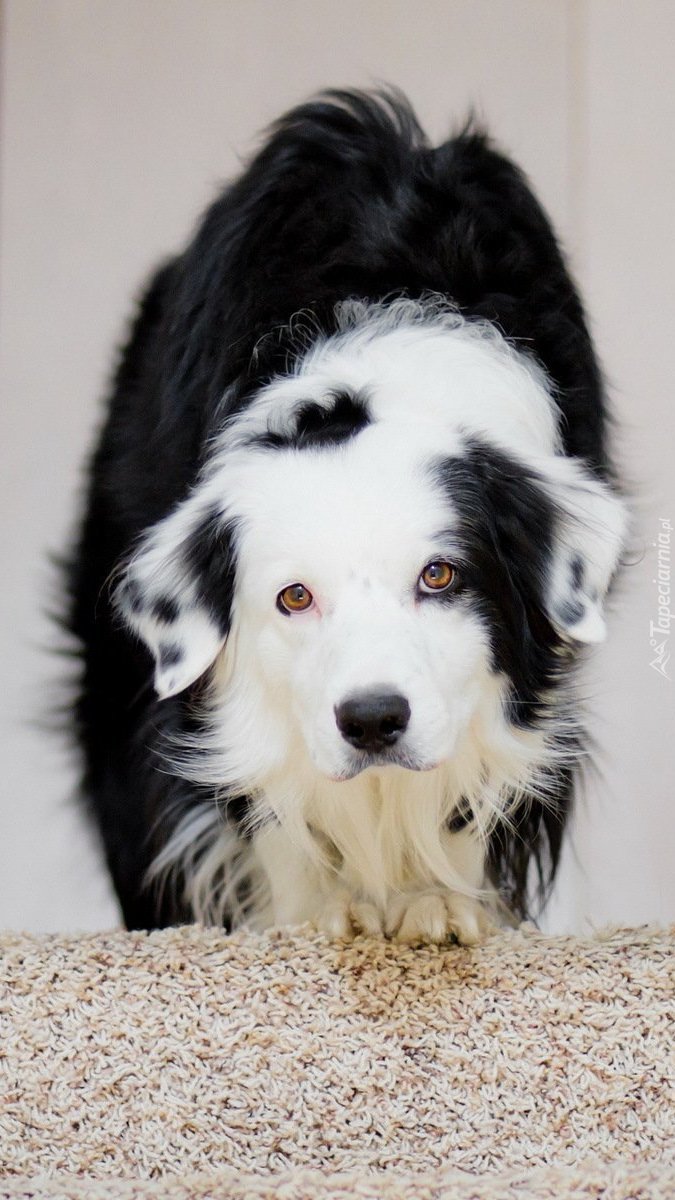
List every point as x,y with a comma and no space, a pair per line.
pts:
176,593
589,528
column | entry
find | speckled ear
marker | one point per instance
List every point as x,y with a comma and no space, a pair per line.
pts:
591,524
175,593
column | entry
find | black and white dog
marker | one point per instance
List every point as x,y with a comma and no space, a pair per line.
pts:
350,521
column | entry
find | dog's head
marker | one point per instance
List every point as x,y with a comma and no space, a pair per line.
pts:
387,547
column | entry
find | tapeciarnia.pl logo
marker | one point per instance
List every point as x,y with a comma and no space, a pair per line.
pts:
659,630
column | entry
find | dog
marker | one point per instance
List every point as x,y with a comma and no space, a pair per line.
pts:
350,525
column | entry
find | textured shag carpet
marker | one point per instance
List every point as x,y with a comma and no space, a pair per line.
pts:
187,1064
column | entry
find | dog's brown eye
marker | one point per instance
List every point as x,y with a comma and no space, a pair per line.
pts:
294,599
437,577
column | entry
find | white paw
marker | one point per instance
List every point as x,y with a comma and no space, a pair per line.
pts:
344,916
437,916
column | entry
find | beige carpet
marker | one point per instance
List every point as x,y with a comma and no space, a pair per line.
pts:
189,1064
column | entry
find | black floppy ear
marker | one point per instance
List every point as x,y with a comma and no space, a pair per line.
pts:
176,593
589,528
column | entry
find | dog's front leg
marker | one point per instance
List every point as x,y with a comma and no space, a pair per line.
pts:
303,890
432,913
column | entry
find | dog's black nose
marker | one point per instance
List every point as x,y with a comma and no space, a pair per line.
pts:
373,720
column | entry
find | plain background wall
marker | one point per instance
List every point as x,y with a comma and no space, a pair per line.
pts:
119,120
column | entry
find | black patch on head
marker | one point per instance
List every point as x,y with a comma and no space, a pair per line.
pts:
318,425
506,528
210,559
506,533
166,609
169,654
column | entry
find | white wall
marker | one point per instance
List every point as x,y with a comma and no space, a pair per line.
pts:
118,122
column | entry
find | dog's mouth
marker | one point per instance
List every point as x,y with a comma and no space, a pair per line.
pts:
392,758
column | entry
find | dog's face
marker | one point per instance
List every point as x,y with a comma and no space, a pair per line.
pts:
385,554
349,603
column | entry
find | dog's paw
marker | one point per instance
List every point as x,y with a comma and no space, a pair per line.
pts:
437,916
344,916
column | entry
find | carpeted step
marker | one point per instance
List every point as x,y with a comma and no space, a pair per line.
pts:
186,1063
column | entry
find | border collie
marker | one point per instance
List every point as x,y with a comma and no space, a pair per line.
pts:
350,523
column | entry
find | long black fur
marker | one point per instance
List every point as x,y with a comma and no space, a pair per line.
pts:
346,199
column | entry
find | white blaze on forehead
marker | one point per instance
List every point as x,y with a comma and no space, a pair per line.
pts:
423,368
433,381
367,509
